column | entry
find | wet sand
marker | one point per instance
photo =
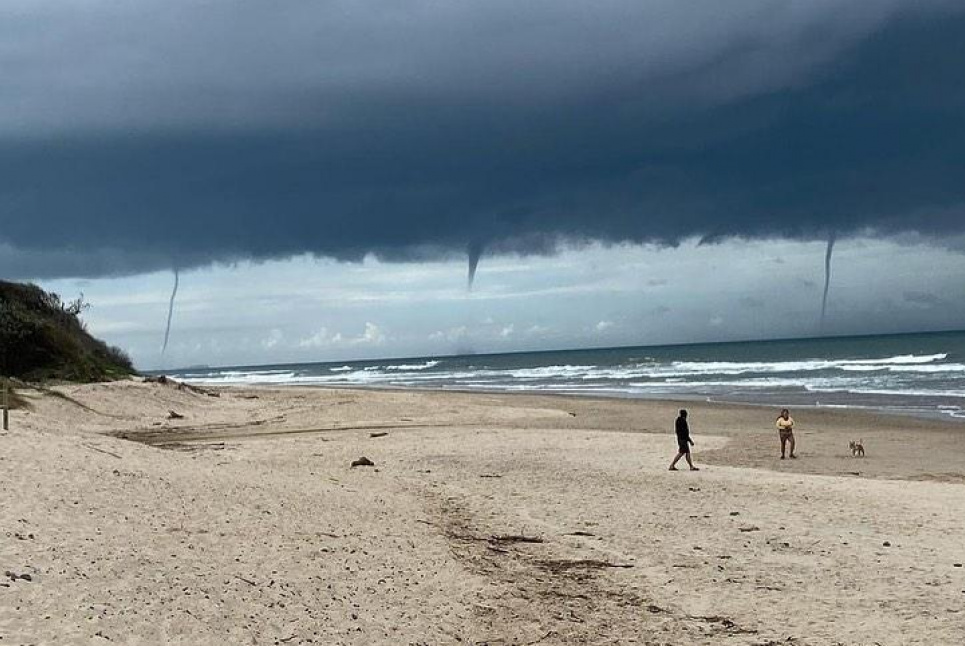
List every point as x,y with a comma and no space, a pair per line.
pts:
495,519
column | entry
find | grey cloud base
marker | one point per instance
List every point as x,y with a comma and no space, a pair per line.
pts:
860,128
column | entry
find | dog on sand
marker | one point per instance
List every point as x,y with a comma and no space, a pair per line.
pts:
857,448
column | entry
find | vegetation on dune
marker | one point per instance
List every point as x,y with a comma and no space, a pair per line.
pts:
44,338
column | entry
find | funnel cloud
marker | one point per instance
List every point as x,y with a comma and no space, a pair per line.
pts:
827,278
475,251
167,327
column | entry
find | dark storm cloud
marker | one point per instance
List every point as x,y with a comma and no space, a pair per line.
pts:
173,135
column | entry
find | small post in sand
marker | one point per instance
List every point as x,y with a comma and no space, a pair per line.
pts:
6,406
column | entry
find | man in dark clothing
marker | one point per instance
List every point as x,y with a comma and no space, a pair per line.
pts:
683,441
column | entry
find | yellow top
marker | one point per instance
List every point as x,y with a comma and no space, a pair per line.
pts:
785,424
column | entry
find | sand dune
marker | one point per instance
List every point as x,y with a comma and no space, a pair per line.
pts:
489,519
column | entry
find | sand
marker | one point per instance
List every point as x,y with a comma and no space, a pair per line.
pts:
487,519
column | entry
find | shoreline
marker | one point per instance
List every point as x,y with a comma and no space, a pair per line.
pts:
919,375
752,442
680,400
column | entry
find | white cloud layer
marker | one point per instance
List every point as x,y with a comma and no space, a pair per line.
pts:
318,310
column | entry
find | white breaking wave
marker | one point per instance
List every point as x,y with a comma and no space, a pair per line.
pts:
903,359
901,382
761,382
942,367
675,372
550,371
409,367
403,367
892,392
907,362
241,378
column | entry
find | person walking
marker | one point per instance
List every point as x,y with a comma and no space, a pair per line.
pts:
682,429
785,428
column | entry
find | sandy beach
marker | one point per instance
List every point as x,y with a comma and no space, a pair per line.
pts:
487,519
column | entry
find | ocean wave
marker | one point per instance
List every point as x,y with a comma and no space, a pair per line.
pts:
240,378
242,373
410,366
763,382
942,367
402,367
899,381
677,374
903,359
550,371
907,362
681,372
893,392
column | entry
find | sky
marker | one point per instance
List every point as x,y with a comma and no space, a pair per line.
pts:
322,174
308,309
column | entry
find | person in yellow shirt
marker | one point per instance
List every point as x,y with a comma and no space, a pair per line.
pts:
785,428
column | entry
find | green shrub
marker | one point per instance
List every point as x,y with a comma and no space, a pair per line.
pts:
41,337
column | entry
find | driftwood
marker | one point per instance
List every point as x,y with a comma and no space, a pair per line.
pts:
581,564
188,447
100,450
515,538
495,540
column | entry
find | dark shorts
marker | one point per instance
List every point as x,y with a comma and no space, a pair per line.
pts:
683,445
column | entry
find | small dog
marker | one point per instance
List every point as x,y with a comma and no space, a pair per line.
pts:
857,448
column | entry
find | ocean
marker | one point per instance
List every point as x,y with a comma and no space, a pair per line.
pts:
916,374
